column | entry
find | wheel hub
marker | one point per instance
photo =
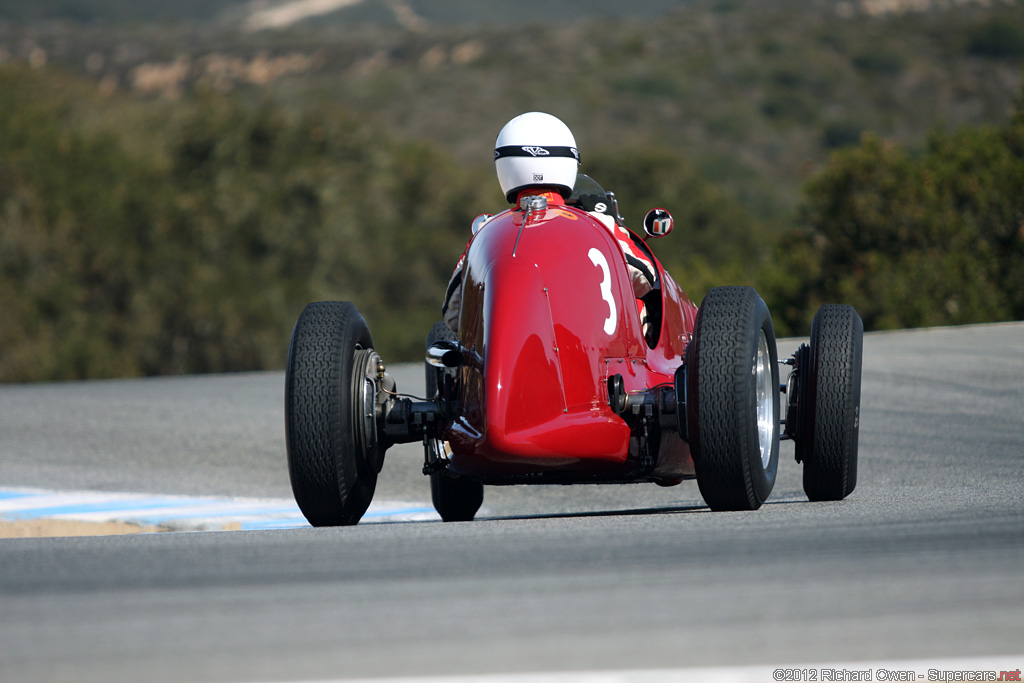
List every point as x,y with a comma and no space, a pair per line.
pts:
364,404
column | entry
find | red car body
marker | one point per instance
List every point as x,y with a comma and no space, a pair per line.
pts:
548,316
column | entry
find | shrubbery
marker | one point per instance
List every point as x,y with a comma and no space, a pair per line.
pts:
196,251
911,240
199,258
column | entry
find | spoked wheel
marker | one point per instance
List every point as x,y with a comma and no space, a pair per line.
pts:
827,403
330,422
456,499
732,381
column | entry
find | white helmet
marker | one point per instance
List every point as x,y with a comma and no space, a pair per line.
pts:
535,149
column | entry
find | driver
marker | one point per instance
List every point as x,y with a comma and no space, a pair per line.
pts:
535,155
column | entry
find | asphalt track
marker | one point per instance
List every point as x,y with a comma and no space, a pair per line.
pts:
925,560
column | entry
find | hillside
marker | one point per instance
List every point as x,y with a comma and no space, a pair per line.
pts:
175,186
258,13
754,94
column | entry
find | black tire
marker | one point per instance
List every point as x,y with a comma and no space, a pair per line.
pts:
455,499
733,471
332,455
829,420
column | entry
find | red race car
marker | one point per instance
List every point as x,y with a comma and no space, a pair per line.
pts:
552,378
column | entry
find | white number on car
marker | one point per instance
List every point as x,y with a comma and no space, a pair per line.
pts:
606,288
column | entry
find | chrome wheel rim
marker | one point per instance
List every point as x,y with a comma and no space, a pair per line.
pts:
765,398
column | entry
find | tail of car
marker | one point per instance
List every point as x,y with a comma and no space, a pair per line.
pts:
548,313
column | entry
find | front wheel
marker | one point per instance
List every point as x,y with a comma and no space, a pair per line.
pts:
732,380
330,427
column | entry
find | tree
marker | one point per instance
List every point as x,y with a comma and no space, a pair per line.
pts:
199,255
911,240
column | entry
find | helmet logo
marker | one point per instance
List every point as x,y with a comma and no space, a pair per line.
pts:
538,177
536,151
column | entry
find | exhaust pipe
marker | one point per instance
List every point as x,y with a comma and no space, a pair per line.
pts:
445,354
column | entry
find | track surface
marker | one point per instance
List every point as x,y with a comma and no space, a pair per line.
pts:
924,560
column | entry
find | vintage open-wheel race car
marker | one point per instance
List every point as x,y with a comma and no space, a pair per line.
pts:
553,378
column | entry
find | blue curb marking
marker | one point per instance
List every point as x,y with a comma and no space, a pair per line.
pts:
398,511
7,495
181,512
112,505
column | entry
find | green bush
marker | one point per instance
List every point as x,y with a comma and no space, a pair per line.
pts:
841,134
199,259
911,241
997,39
187,235
882,62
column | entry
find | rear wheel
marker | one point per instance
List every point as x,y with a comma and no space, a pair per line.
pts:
455,499
828,421
732,380
330,425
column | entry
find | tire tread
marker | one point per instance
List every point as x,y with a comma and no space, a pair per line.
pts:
321,462
830,469
720,434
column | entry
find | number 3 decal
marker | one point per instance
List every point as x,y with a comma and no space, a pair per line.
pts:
606,288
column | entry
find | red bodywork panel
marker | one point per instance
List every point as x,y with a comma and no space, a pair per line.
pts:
548,314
